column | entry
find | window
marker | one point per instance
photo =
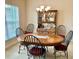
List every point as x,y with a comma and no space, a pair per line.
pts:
11,21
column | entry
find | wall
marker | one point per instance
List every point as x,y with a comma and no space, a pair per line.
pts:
28,12
64,8
22,9
10,43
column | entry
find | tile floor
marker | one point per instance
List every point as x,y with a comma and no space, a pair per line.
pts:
12,53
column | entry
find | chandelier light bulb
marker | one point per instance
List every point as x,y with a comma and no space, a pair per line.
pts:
42,7
47,8
38,9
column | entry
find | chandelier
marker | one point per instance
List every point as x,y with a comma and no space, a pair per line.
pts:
43,8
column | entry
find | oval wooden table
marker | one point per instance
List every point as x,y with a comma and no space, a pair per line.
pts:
44,39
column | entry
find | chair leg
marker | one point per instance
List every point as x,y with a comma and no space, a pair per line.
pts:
39,57
66,54
28,57
55,53
33,57
44,56
19,49
27,50
47,48
24,47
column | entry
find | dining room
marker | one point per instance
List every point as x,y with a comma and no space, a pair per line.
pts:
39,29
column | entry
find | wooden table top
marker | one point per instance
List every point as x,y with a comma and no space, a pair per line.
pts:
44,39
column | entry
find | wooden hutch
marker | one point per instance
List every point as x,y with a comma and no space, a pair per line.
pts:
47,21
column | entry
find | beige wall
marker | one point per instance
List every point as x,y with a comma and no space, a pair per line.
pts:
28,12
22,10
64,8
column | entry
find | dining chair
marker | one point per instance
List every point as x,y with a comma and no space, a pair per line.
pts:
19,32
63,46
32,49
61,30
29,28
